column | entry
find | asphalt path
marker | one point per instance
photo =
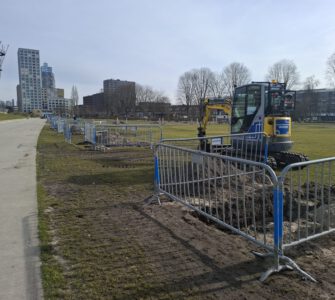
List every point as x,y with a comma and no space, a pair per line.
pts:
19,252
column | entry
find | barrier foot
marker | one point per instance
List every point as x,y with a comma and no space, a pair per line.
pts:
152,199
293,265
289,264
262,255
273,270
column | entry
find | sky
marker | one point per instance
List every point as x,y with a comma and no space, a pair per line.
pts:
154,42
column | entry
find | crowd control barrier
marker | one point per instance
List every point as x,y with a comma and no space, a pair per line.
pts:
110,135
273,211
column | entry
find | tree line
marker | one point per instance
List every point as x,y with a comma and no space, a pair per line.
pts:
196,84
200,83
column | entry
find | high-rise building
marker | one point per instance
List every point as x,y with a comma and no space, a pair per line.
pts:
48,77
119,96
19,97
29,89
48,85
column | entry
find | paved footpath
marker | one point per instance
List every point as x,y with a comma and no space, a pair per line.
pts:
19,253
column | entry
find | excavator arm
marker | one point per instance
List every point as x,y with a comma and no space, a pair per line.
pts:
206,108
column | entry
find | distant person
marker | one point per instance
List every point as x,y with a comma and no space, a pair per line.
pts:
74,117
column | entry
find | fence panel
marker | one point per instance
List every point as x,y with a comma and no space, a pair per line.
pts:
248,197
233,192
54,122
109,135
249,146
67,132
308,200
60,125
90,133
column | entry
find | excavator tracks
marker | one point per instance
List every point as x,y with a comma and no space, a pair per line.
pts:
285,158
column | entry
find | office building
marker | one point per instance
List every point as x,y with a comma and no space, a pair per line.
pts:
60,93
58,105
315,105
29,89
119,96
94,105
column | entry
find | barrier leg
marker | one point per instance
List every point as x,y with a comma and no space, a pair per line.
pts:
155,196
287,263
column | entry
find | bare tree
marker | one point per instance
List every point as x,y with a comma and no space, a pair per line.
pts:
330,73
160,97
186,90
195,85
144,94
310,103
202,80
161,106
284,71
151,101
311,83
219,85
235,74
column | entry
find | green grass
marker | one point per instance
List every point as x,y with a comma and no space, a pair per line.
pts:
52,274
12,116
314,140
83,195
180,130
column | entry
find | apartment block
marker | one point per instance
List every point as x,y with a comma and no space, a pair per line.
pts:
29,88
119,96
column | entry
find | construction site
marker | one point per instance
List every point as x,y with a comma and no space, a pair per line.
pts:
242,214
167,150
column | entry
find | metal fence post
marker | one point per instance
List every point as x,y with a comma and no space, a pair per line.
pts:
157,180
266,148
278,222
161,133
94,135
156,171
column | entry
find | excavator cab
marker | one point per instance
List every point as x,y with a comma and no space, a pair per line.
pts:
258,107
266,107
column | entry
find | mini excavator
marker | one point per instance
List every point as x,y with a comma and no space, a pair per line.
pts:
258,107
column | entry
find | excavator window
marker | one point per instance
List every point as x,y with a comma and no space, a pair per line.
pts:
245,106
280,103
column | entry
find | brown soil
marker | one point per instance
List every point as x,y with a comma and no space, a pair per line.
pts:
112,245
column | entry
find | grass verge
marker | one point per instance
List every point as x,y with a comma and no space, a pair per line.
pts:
89,249
52,275
12,116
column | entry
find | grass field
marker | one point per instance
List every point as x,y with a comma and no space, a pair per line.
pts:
314,140
12,116
181,130
98,242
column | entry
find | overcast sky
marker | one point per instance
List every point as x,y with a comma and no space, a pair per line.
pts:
154,42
